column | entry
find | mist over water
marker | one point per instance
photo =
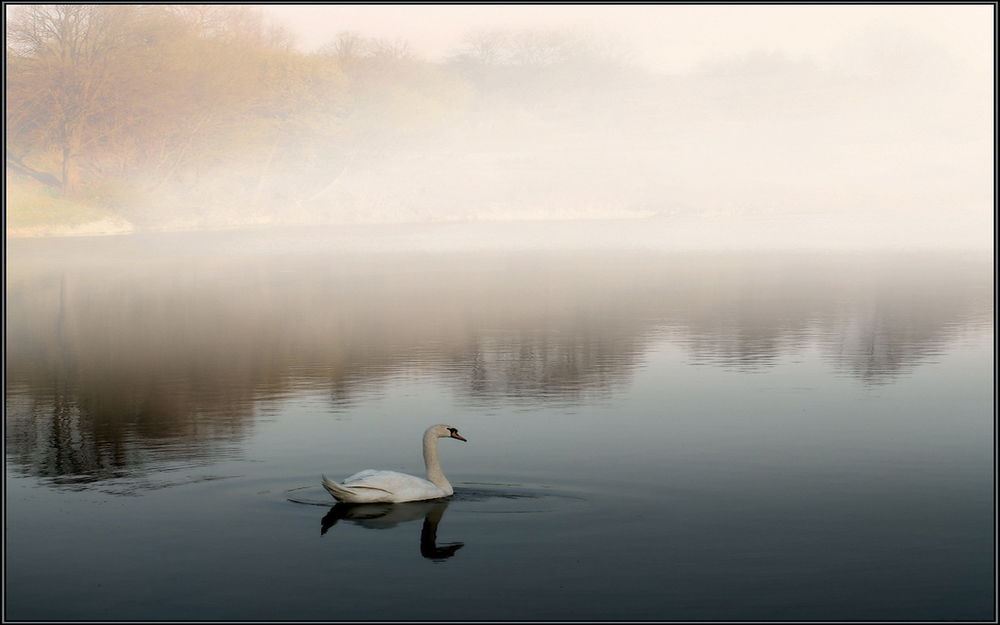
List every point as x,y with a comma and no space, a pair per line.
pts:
709,290
186,339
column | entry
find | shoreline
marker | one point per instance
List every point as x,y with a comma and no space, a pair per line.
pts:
750,233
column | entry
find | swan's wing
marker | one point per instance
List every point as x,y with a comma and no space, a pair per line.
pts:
344,494
401,486
354,485
360,476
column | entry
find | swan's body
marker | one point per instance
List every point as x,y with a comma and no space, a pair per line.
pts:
371,486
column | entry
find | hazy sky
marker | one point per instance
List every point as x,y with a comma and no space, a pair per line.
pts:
668,38
890,115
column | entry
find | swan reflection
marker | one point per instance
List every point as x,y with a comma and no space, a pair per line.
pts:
382,516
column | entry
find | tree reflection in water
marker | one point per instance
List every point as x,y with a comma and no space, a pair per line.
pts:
116,362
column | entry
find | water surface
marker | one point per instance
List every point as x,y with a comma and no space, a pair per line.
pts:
652,435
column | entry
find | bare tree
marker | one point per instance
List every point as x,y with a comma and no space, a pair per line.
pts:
116,90
65,79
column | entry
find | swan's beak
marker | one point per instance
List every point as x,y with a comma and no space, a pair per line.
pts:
459,437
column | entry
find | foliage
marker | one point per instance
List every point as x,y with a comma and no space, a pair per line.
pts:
145,92
199,113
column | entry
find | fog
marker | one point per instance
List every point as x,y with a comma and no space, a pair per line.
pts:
657,127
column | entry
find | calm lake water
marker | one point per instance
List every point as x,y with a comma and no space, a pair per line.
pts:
652,435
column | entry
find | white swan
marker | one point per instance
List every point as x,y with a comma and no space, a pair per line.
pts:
371,486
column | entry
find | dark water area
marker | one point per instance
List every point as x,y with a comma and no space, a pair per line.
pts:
652,435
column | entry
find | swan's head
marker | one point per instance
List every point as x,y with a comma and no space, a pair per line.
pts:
447,431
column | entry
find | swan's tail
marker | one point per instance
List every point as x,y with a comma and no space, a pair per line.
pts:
340,493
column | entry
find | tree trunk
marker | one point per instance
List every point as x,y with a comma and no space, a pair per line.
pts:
69,175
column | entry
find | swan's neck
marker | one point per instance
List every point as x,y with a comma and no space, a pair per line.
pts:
433,462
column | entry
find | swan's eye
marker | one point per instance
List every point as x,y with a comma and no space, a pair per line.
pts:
453,430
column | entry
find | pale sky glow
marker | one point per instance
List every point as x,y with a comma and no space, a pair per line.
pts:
905,90
669,38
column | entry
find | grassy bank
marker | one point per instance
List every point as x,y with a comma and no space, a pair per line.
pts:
35,210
